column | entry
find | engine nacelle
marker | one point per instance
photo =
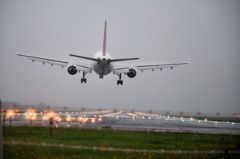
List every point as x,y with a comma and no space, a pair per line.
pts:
72,70
132,73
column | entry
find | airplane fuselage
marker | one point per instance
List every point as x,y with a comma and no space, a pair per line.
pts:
103,67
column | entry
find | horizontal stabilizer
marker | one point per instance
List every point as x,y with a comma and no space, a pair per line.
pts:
127,59
83,57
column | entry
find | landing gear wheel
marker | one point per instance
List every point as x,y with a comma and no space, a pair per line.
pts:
83,80
119,82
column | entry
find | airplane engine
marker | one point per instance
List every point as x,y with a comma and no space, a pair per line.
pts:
72,70
132,73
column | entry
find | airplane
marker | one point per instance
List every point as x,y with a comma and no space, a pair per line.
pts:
103,64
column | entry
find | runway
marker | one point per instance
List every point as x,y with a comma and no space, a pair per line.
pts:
131,121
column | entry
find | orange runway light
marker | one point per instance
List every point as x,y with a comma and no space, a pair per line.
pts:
85,119
51,114
44,118
80,118
57,118
30,113
68,118
10,113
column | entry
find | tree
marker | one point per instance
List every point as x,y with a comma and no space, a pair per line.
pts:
167,113
181,114
198,113
82,109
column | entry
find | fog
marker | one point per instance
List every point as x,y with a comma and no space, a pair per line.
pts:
203,32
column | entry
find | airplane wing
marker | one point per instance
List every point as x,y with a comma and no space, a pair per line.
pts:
80,67
119,70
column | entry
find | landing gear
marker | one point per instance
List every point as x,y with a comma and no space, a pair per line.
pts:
84,80
101,76
120,81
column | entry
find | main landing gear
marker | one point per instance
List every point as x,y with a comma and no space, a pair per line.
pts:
84,80
101,76
119,81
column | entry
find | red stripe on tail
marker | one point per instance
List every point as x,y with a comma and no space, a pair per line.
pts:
105,39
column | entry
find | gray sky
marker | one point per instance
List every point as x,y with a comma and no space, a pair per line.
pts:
203,32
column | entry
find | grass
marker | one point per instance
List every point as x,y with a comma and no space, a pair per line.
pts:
106,138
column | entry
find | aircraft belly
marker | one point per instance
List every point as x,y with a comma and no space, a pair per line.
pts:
102,68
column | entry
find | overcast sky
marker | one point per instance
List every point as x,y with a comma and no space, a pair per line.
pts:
204,32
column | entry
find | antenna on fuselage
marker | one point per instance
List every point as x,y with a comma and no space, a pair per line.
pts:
105,39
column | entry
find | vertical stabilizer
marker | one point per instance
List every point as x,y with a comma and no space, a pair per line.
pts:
105,39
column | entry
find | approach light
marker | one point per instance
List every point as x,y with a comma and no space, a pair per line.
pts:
44,118
10,113
68,118
57,118
233,123
30,113
84,120
182,120
116,117
80,118
51,114
99,119
205,120
93,120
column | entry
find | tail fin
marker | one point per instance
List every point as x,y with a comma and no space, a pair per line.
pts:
105,39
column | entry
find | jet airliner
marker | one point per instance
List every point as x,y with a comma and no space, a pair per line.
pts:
103,64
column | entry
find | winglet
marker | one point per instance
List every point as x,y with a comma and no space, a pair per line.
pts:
105,39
